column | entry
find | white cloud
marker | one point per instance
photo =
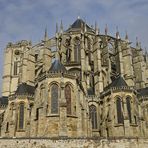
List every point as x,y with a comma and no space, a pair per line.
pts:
27,19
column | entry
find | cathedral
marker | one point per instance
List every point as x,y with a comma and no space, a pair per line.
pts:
79,83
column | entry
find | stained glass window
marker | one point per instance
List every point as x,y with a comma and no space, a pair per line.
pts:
54,98
128,104
68,98
119,111
77,50
21,116
93,116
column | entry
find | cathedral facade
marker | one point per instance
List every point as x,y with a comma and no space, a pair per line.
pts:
79,83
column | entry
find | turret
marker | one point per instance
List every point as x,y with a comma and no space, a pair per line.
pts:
127,62
139,66
97,66
61,27
119,57
18,66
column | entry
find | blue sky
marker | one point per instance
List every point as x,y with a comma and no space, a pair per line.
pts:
27,19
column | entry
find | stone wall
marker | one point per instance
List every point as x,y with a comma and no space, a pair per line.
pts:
73,143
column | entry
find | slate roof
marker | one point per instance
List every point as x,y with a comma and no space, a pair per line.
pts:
24,89
79,23
3,101
57,66
143,91
118,82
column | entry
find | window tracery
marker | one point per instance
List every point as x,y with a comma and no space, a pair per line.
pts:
21,116
68,98
54,98
77,50
93,116
119,111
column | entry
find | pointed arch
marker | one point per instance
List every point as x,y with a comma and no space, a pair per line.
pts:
128,104
120,119
21,116
77,50
93,116
68,98
54,98
15,68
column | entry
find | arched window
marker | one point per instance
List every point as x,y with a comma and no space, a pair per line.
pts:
15,70
21,116
7,127
119,111
77,50
68,98
128,104
54,98
93,116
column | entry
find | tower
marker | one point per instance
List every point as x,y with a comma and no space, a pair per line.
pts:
18,66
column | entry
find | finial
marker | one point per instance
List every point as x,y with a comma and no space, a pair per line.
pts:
137,42
106,29
78,16
85,29
126,36
117,33
46,35
61,27
56,27
146,52
96,28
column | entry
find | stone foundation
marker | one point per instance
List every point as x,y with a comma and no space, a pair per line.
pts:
73,143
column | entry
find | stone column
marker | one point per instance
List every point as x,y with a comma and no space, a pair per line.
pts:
127,131
79,123
62,113
119,58
128,65
97,66
83,62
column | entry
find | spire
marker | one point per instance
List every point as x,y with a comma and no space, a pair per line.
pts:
56,27
82,27
106,29
146,53
137,43
46,35
61,27
96,28
126,36
85,29
117,33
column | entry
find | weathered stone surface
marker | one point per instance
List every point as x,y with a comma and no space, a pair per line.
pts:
73,143
76,84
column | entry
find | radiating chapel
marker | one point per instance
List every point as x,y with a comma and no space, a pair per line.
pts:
79,83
